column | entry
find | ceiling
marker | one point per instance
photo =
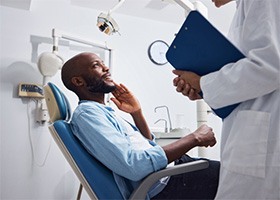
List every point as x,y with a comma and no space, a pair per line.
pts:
159,10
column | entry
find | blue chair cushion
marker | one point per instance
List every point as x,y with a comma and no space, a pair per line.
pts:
61,102
99,177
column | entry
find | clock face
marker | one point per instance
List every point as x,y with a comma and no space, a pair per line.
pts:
157,51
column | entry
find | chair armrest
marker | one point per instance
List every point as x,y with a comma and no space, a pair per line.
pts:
141,191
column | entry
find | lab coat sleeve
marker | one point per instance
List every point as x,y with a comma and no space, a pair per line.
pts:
258,73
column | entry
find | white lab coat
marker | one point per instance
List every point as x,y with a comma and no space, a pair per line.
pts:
250,143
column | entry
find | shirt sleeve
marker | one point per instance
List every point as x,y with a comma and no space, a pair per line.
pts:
104,139
258,73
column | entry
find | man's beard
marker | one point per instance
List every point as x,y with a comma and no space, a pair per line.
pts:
99,85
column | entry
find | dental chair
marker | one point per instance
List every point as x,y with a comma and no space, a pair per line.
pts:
94,177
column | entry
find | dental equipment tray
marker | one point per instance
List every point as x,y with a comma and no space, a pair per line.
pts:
199,47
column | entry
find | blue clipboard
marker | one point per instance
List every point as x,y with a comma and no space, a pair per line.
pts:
199,47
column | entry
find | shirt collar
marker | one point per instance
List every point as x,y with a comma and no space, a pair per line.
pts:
100,104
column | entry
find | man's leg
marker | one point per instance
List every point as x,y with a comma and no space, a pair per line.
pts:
200,184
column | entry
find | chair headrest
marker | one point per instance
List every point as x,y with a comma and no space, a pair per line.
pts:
57,103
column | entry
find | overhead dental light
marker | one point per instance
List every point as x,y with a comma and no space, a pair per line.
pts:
106,23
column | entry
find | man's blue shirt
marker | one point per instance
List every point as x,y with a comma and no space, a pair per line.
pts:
112,141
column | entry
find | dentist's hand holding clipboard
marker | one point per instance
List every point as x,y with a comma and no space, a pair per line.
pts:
188,84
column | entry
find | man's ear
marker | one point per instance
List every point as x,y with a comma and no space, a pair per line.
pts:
77,81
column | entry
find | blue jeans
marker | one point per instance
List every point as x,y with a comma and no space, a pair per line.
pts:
200,184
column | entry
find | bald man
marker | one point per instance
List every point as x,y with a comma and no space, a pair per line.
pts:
129,150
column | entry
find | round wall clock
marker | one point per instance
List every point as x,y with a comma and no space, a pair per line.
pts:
157,51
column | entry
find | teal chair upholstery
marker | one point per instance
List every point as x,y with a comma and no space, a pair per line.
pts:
95,178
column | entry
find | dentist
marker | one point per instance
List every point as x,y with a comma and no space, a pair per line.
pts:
250,144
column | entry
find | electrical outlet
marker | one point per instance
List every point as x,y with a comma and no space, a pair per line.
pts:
30,90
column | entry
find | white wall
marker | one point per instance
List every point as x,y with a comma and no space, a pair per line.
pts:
21,175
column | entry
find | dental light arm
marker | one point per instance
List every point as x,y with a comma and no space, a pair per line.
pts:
116,6
189,6
186,5
58,34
